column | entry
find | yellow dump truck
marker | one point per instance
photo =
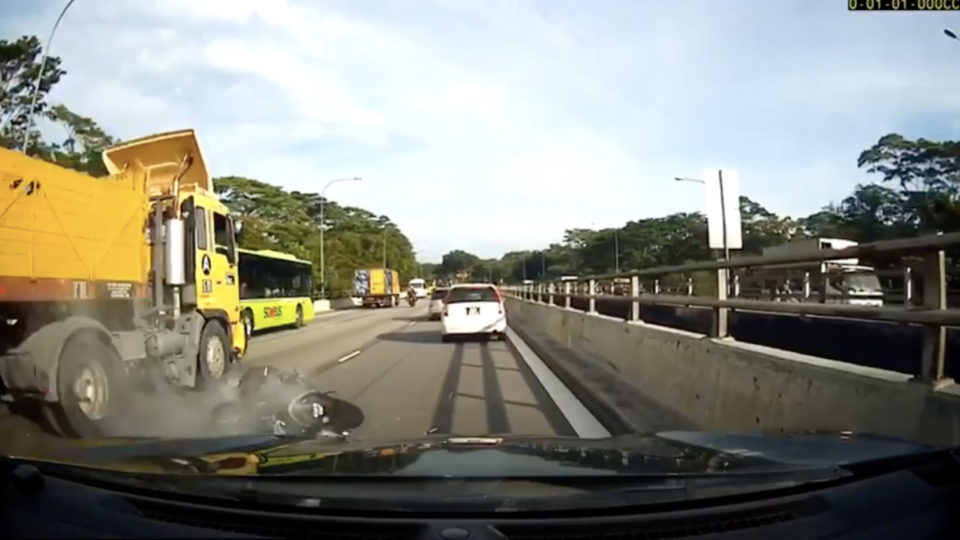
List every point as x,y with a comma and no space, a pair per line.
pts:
106,279
378,287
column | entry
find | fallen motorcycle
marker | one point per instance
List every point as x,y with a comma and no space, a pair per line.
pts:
269,400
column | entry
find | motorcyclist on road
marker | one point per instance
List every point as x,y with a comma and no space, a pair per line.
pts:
411,296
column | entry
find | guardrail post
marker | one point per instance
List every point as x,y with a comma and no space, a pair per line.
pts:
934,335
566,291
736,285
592,306
689,286
634,292
550,293
806,285
656,286
907,286
720,314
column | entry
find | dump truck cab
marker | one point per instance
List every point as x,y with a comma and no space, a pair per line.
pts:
177,172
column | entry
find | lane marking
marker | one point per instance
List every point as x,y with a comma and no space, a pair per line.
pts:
317,324
347,357
580,419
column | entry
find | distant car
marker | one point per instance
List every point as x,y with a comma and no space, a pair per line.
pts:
473,309
436,303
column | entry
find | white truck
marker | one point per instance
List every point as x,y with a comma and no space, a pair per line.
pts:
843,281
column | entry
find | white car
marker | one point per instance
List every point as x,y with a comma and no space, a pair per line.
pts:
473,309
436,303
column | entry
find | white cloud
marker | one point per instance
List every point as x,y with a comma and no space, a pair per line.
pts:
505,122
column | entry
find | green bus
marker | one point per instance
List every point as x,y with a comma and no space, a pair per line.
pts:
275,290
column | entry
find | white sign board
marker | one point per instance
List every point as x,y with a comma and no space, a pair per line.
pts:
720,207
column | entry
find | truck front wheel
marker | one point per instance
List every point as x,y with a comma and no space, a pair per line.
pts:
90,387
214,353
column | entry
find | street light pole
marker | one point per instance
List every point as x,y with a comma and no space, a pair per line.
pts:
616,250
323,227
384,246
36,84
723,209
723,217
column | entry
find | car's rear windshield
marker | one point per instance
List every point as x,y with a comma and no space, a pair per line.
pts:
472,294
439,294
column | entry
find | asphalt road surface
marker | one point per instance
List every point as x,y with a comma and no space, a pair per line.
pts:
392,366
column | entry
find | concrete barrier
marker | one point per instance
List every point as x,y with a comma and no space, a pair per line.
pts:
346,303
320,306
649,378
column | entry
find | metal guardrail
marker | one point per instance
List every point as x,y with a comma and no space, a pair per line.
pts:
932,312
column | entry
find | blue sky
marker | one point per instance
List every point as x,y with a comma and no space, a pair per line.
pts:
495,125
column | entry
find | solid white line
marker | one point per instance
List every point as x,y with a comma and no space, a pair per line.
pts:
349,356
581,420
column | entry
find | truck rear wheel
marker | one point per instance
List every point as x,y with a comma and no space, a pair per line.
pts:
89,385
214,354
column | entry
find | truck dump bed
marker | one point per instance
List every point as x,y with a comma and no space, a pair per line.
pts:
60,228
58,224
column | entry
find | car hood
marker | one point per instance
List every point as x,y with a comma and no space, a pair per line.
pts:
490,456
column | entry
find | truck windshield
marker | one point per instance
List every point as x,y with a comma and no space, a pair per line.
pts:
862,283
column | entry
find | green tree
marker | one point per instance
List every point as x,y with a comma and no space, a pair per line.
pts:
927,179
290,221
458,264
81,150
762,228
19,67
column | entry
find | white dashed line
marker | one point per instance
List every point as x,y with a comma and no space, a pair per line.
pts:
349,356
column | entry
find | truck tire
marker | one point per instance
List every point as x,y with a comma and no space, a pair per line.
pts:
247,323
214,354
299,322
90,386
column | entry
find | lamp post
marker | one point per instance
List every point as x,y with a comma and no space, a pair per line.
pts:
616,250
723,210
384,246
720,324
323,227
36,84
616,247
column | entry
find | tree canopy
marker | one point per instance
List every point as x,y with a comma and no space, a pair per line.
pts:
918,193
272,217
